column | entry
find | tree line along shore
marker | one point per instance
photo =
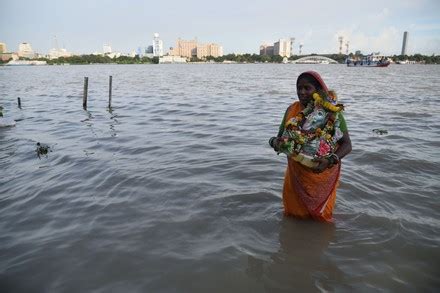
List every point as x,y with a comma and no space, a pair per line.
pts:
236,58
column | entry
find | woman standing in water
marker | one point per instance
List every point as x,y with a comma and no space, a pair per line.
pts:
314,135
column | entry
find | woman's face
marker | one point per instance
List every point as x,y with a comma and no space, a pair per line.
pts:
305,89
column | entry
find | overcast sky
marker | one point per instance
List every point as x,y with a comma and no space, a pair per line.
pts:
83,26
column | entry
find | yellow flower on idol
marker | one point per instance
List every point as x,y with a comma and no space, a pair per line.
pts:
327,105
290,124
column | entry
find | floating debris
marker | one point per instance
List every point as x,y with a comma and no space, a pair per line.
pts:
42,150
380,131
5,122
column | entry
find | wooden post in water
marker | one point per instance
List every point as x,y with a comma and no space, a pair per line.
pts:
19,102
110,92
86,88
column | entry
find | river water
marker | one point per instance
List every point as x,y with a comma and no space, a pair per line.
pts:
177,190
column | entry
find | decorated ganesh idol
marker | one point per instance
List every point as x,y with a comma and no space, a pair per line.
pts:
314,132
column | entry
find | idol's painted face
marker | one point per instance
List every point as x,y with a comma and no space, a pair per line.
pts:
305,89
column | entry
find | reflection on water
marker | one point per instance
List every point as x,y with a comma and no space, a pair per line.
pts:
114,121
300,262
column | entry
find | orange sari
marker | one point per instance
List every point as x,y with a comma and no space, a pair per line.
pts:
307,194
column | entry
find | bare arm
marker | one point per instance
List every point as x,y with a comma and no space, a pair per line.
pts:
344,146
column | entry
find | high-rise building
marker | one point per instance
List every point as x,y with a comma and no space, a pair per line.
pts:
157,46
148,52
201,51
2,48
191,48
405,43
282,48
205,50
25,50
266,49
185,48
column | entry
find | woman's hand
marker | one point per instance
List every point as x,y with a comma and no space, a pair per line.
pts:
275,143
323,163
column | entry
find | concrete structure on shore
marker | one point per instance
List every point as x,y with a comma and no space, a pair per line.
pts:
171,59
404,43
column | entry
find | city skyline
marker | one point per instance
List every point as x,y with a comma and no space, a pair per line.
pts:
240,27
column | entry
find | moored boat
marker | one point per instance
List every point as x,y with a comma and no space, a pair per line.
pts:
368,61
25,62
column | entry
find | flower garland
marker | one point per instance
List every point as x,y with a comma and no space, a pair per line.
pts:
295,137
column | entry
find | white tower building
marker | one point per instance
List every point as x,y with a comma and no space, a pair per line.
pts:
157,46
282,47
25,50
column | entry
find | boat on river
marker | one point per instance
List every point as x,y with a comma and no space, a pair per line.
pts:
371,60
25,63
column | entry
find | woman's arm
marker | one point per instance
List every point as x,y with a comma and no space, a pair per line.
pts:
273,141
344,148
